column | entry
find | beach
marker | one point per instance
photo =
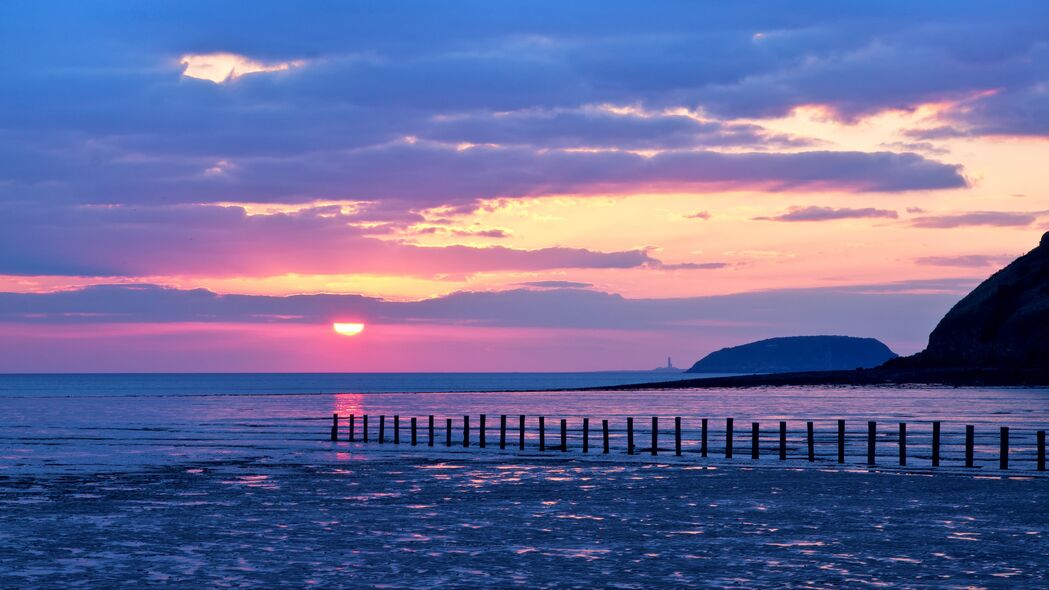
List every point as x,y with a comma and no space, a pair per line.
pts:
410,522
176,485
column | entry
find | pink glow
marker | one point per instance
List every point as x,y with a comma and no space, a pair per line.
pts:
189,347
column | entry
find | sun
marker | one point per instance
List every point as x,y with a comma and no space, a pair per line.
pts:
347,329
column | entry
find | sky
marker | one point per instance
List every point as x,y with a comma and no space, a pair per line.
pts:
504,186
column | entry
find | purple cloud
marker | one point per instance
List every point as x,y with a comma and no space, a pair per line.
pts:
428,175
965,261
689,265
895,312
376,117
556,285
598,128
816,213
226,241
976,218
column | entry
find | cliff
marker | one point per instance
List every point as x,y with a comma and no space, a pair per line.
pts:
1003,323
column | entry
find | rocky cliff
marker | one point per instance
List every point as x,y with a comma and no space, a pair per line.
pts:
1003,323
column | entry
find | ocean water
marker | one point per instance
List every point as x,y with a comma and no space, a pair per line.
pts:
232,481
157,384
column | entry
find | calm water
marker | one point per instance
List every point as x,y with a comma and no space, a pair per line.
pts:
231,481
56,423
155,384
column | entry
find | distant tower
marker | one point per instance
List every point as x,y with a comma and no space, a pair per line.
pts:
670,365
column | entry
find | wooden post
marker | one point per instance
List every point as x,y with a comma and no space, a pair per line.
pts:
480,432
415,439
466,431
448,433
365,426
430,427
677,435
755,435
396,429
630,436
782,440
604,434
728,438
970,439
872,433
812,441
353,437
903,444
841,441
564,435
703,443
521,432
334,427
1041,450
382,428
655,435
502,431
1003,449
936,444
542,433
586,435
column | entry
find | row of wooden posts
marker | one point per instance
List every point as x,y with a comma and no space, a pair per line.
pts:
970,435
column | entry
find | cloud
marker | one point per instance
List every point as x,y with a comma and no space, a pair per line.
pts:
420,174
601,127
829,214
935,133
226,67
556,285
699,215
227,241
478,233
1012,111
453,109
915,146
965,261
890,310
689,265
976,218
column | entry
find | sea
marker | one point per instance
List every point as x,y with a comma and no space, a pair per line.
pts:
232,480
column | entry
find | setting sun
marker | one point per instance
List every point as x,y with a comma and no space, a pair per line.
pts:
347,329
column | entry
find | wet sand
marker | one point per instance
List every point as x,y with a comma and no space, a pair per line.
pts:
398,522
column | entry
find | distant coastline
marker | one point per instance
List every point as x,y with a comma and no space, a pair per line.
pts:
951,377
995,336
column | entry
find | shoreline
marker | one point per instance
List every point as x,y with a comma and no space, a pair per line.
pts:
950,377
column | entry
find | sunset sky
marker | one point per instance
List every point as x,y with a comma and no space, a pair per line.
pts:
504,186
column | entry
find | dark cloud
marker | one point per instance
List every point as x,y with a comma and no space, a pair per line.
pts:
976,218
829,214
429,175
699,215
601,128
